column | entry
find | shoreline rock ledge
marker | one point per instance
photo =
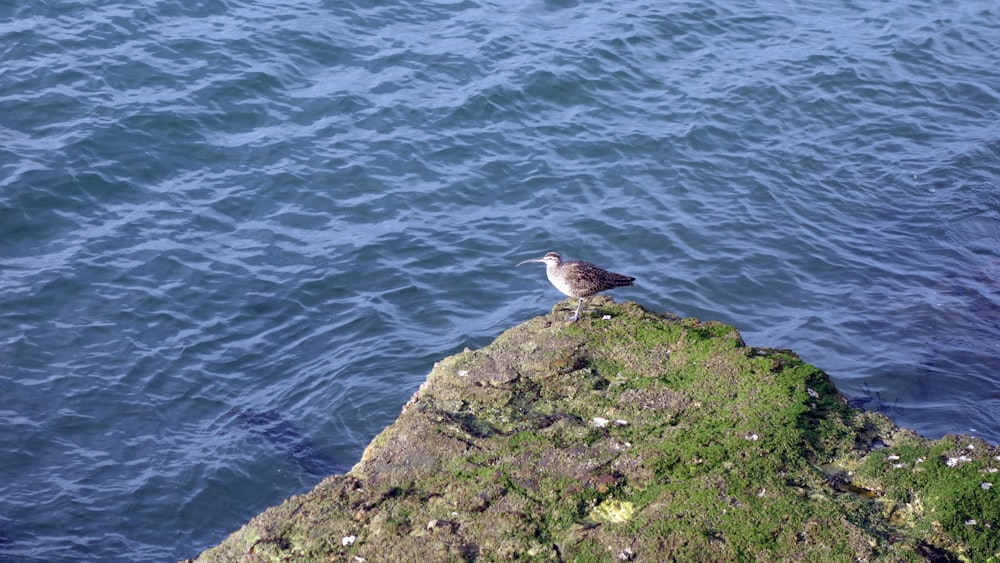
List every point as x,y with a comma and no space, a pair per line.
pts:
634,436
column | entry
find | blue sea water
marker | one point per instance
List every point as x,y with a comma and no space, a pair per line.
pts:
235,235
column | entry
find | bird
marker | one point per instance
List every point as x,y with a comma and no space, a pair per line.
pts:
579,279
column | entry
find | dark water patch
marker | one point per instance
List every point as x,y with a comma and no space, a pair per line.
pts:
288,440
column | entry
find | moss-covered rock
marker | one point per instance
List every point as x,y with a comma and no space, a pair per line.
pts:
632,436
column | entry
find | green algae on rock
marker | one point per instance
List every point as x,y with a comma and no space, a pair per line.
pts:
632,436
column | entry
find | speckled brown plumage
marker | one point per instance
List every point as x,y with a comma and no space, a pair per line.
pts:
579,279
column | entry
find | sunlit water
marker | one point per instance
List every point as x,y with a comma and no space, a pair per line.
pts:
235,236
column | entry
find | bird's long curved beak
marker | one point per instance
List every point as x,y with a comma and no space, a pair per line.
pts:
532,260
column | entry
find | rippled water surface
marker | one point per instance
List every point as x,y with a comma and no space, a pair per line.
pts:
235,236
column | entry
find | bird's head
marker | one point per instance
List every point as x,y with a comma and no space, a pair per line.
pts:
550,259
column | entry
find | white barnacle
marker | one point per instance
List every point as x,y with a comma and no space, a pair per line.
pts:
347,540
626,554
600,422
956,461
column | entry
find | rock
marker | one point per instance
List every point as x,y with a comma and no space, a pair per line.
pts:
708,450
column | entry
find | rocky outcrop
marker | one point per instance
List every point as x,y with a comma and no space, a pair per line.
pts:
632,436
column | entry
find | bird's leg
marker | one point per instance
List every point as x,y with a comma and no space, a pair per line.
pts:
576,315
